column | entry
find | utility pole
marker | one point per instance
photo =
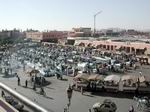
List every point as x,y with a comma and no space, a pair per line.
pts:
95,15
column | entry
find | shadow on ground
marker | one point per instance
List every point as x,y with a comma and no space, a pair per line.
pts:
48,97
87,95
63,79
117,94
8,76
49,88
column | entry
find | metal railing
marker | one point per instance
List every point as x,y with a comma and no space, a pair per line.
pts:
31,105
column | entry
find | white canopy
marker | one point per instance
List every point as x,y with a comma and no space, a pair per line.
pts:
82,66
102,60
130,77
97,105
115,78
82,76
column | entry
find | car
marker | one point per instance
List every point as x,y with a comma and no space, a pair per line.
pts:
106,106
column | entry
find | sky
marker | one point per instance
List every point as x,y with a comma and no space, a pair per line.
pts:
66,14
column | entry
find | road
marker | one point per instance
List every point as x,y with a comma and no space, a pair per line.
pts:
56,99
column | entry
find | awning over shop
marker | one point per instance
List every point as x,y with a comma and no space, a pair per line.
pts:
114,78
133,78
96,77
93,77
82,76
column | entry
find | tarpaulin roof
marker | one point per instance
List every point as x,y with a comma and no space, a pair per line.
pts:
82,76
115,78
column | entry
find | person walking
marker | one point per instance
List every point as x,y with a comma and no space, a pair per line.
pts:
26,83
65,109
82,90
69,93
34,86
89,110
2,94
131,109
42,91
18,81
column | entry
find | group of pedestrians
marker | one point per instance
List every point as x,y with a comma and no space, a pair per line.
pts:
18,80
42,91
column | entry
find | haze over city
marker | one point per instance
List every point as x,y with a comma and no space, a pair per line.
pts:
65,14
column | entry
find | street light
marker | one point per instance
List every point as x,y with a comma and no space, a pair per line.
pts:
95,15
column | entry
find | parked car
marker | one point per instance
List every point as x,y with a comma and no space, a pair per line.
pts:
106,106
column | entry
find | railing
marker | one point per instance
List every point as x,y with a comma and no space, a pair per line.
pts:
31,105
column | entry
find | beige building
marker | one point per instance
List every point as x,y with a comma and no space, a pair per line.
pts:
80,32
35,36
129,47
52,36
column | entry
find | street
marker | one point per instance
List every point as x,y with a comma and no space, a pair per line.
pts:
56,99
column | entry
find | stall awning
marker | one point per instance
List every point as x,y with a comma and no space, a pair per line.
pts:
134,78
93,77
114,78
82,76
96,77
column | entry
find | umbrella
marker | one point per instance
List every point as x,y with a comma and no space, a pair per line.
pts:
115,78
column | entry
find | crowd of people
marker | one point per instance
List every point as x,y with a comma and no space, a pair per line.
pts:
59,60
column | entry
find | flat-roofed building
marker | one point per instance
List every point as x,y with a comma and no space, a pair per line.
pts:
80,32
51,36
138,48
35,36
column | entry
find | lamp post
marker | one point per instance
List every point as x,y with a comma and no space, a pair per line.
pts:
95,15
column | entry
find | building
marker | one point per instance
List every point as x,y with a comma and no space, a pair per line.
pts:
11,33
51,36
35,36
129,47
80,32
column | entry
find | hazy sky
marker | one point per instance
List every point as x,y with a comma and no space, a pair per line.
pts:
65,14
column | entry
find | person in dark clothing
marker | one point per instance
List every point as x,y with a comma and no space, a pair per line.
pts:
34,86
18,81
131,109
90,110
26,83
2,94
95,86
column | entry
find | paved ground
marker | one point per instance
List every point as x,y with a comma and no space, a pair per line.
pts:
56,98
